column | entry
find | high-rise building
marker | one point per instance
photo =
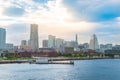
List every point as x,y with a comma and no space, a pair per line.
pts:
2,38
76,48
23,43
34,43
59,45
76,40
51,41
94,43
45,44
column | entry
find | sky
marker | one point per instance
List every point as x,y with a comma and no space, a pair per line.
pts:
61,18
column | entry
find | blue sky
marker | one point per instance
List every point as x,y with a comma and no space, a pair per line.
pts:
62,18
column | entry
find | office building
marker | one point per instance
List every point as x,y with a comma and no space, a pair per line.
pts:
23,43
94,43
59,42
34,42
116,47
86,46
59,45
70,44
69,49
45,43
9,46
15,47
2,38
104,47
51,41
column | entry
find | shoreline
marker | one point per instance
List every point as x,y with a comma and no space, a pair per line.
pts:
63,59
82,59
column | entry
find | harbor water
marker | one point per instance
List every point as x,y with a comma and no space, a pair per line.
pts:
101,69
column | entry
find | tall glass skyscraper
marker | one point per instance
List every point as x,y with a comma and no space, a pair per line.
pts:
2,38
34,43
94,43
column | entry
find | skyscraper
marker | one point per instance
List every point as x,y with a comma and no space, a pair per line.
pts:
51,41
45,43
76,44
94,43
2,38
76,39
34,43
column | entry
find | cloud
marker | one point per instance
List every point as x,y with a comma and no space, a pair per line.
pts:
62,18
93,10
17,32
14,11
107,12
40,1
17,28
108,32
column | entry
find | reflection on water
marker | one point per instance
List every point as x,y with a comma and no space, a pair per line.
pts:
107,69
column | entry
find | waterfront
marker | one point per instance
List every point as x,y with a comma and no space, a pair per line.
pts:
103,69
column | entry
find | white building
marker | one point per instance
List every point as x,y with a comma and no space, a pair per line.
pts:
51,41
94,43
59,42
59,45
2,38
45,43
34,43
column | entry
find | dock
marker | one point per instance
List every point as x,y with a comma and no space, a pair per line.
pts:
36,62
56,62
13,61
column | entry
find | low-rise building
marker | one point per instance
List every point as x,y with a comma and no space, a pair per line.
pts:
9,46
69,49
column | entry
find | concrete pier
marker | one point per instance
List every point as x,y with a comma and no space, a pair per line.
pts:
56,62
13,61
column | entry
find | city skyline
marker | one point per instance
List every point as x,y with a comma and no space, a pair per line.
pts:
40,43
85,19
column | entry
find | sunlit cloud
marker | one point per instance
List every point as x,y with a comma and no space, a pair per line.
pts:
62,18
